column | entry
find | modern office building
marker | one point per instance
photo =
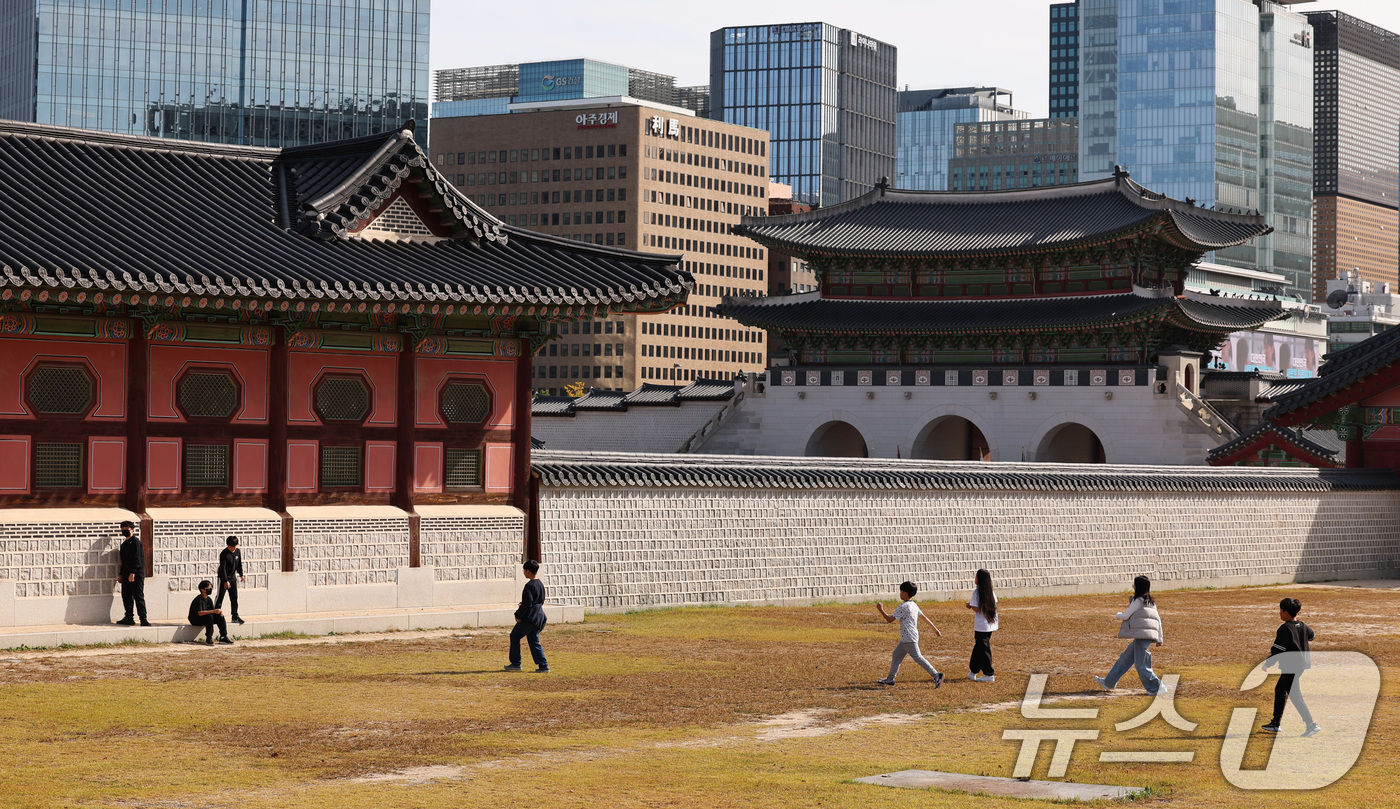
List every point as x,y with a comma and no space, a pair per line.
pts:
1064,60
226,71
1358,310
993,155
617,171
1356,185
1098,88
491,89
825,95
924,134
695,98
1212,102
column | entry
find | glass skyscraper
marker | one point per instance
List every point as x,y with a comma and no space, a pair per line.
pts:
1208,100
826,95
1064,60
253,72
925,129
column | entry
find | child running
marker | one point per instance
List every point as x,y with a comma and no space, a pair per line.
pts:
984,602
908,615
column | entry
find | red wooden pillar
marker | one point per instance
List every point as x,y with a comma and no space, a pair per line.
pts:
278,400
520,490
1356,456
406,417
137,412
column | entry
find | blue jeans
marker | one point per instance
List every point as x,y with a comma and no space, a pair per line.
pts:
910,650
1139,654
526,630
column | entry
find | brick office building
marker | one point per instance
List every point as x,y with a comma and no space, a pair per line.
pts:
619,172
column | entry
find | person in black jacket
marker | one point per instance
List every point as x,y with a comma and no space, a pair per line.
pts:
529,620
132,575
230,576
204,613
1291,648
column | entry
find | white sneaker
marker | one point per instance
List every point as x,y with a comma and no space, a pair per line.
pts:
1312,731
971,676
990,678
1102,684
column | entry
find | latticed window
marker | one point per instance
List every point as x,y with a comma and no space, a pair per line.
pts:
62,390
58,466
341,467
465,403
208,394
462,468
206,465
341,398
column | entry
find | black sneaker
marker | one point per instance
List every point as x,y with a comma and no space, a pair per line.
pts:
145,623
884,681
1272,727
938,679
126,622
237,620
208,641
542,670
512,667
226,639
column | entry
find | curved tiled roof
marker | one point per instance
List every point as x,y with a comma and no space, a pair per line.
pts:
889,222
808,313
607,470
1270,430
1340,370
648,395
113,213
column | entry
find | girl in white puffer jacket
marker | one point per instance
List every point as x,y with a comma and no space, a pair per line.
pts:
1142,625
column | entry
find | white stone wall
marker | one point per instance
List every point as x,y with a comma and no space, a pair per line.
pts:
1136,425
471,548
60,558
639,429
350,550
187,551
647,547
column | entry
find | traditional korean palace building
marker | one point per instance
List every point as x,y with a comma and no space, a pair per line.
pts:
1047,324
325,350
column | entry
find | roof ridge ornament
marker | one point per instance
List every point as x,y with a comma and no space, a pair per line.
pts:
883,185
1120,173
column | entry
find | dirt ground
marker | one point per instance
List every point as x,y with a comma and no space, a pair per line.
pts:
705,707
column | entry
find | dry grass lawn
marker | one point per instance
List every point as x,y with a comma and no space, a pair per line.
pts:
706,708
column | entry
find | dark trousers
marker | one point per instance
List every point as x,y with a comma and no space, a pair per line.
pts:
1290,685
232,593
209,622
981,654
134,593
526,630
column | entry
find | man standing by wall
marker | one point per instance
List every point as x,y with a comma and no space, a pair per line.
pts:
132,575
230,576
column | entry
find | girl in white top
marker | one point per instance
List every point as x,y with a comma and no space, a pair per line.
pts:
984,604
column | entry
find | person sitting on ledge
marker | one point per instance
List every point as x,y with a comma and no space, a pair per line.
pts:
203,613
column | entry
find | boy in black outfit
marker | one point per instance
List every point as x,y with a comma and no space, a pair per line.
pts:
132,575
1291,641
529,620
230,576
204,613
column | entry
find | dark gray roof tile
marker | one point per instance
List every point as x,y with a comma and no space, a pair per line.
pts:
605,470
940,223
